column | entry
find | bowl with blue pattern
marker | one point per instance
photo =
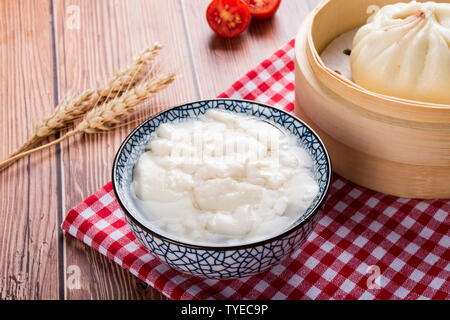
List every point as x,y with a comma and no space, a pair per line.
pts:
219,262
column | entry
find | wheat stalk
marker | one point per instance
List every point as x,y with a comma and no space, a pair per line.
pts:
108,115
70,110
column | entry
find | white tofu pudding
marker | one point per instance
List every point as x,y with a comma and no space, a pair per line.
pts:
223,179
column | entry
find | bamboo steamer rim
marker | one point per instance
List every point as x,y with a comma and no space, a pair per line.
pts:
370,101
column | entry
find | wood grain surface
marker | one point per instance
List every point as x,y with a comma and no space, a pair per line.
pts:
53,49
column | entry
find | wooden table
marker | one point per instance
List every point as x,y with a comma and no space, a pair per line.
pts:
53,49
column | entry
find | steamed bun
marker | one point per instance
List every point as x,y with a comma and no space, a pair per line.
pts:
404,51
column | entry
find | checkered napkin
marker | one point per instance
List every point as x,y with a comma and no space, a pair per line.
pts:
366,245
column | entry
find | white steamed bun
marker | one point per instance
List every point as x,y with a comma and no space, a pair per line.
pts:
404,51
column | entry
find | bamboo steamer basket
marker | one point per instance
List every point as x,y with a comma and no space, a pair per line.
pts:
391,145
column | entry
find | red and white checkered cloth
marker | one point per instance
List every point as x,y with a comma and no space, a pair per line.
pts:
367,245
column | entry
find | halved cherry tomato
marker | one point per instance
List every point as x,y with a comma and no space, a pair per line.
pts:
228,18
263,9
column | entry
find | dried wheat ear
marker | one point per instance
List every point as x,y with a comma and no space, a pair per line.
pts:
112,104
70,110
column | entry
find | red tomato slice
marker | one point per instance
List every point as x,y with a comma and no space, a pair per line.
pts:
228,18
263,9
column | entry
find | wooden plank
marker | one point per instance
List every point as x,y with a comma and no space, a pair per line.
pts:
28,205
218,62
110,33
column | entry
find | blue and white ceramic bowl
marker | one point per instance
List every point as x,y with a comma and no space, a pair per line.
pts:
214,261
